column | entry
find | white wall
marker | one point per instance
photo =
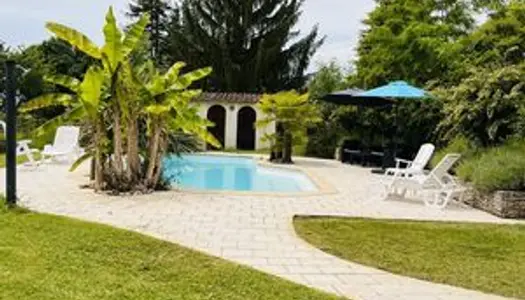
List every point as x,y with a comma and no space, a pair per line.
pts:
232,112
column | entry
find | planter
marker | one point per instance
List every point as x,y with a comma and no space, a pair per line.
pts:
504,204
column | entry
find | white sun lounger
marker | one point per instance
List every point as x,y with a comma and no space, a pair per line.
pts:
65,145
23,149
415,167
438,187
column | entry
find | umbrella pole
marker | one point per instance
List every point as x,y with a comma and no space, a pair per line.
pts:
395,132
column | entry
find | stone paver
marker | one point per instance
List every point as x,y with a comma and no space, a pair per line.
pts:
256,230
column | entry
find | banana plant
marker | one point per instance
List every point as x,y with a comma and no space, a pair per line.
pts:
96,97
113,54
168,109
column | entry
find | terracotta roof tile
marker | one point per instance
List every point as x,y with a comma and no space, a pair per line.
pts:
229,98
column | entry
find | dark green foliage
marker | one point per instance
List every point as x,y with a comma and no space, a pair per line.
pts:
252,45
61,58
180,143
159,22
416,124
322,140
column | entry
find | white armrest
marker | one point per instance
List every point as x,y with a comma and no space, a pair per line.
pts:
399,161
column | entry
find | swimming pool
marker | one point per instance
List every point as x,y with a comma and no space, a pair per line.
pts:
213,172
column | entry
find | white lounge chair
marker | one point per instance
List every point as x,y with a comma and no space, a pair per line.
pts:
23,149
65,145
415,167
438,186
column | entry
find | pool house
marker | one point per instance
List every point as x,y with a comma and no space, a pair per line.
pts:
235,116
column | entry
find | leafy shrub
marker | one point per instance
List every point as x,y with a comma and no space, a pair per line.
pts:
322,140
460,145
500,168
485,105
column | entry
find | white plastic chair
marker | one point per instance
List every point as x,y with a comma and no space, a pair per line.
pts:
65,145
439,185
23,149
415,167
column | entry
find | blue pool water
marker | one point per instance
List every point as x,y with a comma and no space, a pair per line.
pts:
208,172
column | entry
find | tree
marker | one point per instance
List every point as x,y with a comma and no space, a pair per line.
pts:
158,26
252,45
485,106
115,97
293,114
323,138
61,58
412,40
500,40
328,78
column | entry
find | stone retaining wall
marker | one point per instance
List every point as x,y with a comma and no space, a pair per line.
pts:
505,204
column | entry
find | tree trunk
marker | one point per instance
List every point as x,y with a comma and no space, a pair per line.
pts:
117,144
99,168
158,162
153,152
92,170
133,158
287,148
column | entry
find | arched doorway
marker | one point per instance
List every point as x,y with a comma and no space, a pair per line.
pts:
217,115
246,128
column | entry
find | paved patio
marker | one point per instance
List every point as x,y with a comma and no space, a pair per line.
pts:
256,230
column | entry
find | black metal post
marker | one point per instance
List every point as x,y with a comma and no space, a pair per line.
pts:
10,133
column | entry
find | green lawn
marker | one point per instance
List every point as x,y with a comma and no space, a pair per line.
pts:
489,258
20,159
46,257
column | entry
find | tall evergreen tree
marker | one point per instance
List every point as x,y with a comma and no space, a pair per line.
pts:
251,44
157,29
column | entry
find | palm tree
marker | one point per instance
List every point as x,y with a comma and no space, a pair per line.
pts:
293,114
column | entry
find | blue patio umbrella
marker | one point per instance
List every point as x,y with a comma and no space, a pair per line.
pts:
391,91
351,97
395,90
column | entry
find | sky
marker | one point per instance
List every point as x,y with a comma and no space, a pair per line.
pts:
22,22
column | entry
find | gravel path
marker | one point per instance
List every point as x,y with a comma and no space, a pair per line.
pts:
256,230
